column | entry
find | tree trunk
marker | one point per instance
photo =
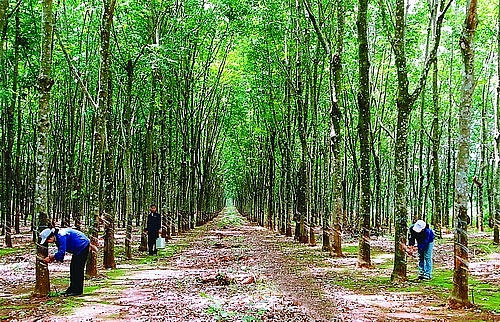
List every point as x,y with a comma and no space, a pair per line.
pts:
404,102
459,296
495,215
436,219
45,82
270,185
148,171
482,166
10,187
364,259
334,67
127,167
401,148
4,5
100,130
109,188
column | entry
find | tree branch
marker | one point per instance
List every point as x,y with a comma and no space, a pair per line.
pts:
432,56
75,72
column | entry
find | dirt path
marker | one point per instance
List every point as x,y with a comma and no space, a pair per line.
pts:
242,272
232,273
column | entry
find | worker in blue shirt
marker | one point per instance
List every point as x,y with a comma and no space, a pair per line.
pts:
72,241
420,233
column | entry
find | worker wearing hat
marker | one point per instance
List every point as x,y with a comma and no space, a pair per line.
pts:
420,233
72,241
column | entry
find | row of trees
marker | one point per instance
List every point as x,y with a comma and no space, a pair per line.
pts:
352,116
121,108
363,117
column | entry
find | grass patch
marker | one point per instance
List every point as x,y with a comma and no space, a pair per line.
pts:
116,273
58,284
70,303
92,288
230,219
483,248
13,307
362,284
216,309
484,295
350,249
172,249
11,251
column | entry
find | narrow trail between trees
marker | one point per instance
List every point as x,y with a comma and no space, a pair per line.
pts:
228,272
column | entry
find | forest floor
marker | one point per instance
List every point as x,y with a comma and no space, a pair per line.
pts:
232,270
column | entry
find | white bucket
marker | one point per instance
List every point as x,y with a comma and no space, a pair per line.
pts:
160,242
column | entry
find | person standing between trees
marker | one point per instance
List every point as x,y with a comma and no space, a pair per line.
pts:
153,228
420,233
72,241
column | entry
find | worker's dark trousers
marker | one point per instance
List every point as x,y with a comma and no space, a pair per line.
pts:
77,271
152,243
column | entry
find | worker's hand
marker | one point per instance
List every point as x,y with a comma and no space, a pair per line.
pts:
159,232
49,259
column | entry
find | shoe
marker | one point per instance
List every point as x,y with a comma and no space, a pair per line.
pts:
73,294
419,278
426,278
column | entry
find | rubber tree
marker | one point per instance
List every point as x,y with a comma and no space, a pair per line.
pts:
104,102
334,68
459,296
45,82
9,184
4,17
364,259
495,216
404,103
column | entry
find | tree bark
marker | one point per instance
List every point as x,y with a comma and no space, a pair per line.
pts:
127,167
364,118
495,215
10,188
45,82
109,189
301,233
436,219
401,148
459,296
100,130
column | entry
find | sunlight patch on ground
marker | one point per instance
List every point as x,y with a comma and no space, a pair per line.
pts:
489,271
342,262
159,274
91,311
382,258
395,305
